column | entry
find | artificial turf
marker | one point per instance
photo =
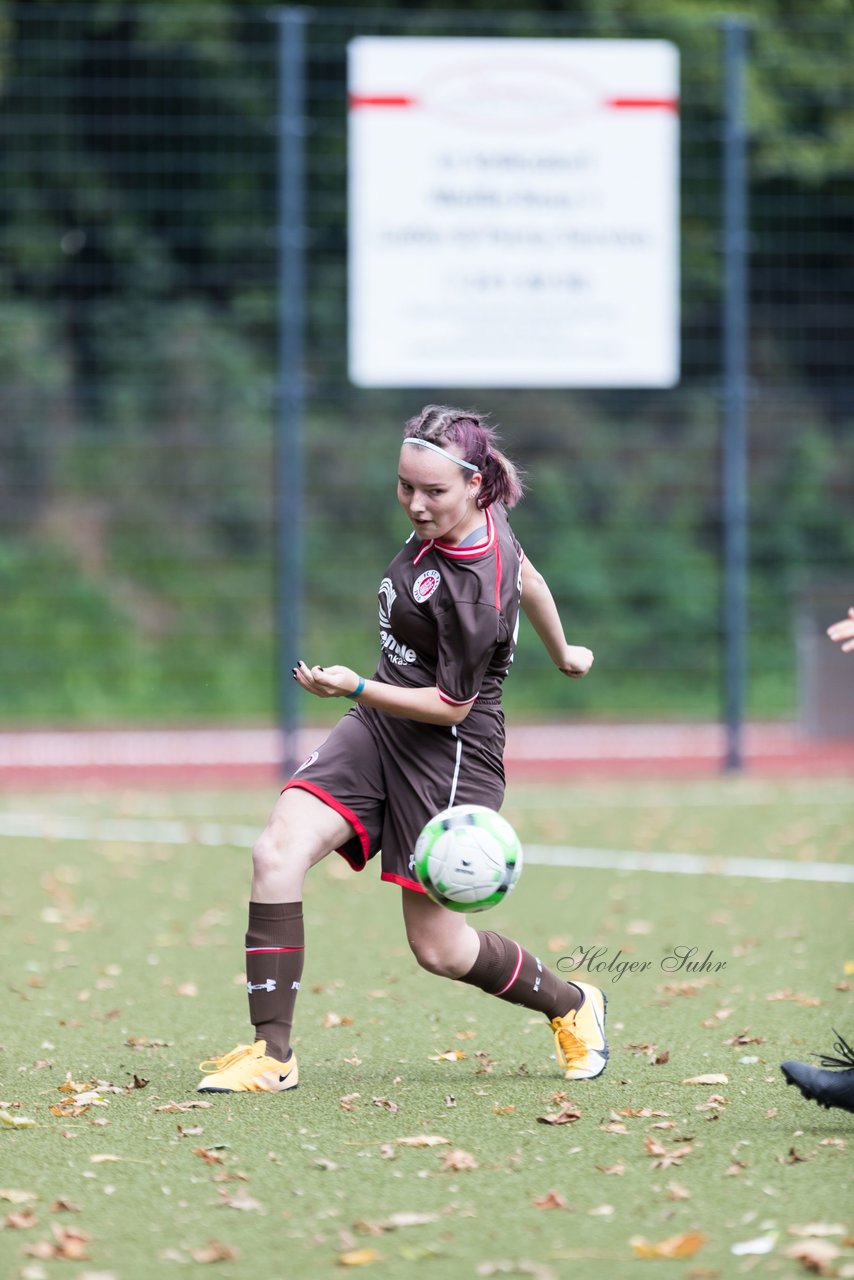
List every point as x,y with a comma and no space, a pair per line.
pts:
123,968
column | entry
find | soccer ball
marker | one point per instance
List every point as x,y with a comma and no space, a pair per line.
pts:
468,858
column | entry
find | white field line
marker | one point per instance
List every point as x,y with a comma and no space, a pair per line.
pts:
690,864
217,835
126,830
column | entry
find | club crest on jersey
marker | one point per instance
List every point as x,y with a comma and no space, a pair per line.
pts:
425,584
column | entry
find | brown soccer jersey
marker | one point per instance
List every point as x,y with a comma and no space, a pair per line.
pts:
449,617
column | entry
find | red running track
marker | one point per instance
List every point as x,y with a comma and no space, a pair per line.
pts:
253,756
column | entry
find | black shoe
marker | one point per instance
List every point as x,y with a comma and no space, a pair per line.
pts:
827,1088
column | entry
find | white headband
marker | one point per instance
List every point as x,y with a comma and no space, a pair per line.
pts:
446,453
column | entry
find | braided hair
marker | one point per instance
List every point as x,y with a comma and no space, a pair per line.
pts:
469,431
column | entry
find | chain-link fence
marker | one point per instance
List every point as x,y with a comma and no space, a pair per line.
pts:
138,351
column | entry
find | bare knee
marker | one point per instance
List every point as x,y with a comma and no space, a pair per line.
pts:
279,866
436,957
270,855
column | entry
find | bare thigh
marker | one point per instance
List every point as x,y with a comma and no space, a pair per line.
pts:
442,941
300,832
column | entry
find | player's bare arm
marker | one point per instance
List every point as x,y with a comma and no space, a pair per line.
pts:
842,632
541,611
424,705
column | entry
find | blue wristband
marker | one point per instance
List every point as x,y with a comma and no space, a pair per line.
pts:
360,688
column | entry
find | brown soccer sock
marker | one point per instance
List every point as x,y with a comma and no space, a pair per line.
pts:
275,945
506,970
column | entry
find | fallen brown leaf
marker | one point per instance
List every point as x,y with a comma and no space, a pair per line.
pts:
71,1086
619,1168
645,1112
682,1246
817,1256
239,1199
458,1161
213,1251
210,1157
807,1002
794,1157
357,1258
20,1219
182,1106
568,1114
67,1244
551,1200
664,1158
336,1020
707,1079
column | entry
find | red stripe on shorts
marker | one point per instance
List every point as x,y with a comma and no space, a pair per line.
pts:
364,839
403,882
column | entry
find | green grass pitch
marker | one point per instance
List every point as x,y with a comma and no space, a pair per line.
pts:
122,964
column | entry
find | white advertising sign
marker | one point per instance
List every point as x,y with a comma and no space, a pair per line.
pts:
513,213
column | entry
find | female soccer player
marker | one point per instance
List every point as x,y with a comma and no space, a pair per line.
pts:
426,732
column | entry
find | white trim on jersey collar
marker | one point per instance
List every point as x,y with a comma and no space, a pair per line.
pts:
446,453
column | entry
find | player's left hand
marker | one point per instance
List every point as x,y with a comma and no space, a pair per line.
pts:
326,682
577,661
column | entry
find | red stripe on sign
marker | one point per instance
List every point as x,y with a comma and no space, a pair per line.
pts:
644,104
378,100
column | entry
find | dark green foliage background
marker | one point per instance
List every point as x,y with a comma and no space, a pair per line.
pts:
138,330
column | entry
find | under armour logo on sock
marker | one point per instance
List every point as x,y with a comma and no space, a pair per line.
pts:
269,985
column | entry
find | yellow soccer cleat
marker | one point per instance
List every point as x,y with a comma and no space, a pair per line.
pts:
580,1043
247,1069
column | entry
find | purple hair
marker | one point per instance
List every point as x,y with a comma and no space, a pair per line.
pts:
476,441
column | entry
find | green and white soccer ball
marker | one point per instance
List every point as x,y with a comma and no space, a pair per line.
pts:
468,858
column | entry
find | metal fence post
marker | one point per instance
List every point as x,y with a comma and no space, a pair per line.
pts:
734,447
289,465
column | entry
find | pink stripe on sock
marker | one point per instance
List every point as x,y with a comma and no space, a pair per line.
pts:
515,973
